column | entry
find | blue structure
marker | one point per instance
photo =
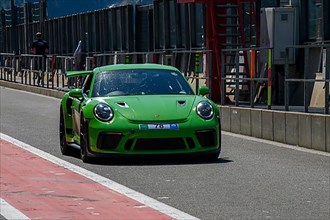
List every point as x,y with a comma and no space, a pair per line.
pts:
59,8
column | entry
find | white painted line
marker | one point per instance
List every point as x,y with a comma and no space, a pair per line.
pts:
303,149
10,212
148,201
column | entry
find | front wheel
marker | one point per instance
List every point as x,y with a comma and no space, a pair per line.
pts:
65,149
84,141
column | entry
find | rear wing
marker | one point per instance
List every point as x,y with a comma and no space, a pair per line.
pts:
78,73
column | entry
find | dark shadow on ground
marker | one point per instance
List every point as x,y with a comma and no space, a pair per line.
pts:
150,160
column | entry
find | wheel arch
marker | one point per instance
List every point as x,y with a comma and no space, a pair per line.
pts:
66,110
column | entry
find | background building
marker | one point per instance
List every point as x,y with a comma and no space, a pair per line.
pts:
294,31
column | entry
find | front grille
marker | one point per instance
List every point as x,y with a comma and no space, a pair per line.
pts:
191,143
128,144
207,138
108,141
159,144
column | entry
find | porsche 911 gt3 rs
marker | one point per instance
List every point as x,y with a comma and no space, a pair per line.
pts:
138,109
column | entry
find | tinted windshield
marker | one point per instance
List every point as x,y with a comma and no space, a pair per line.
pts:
140,82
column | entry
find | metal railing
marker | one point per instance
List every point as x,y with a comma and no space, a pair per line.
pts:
309,76
49,71
261,76
36,70
255,82
7,63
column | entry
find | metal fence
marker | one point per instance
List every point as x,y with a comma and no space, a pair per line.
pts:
240,87
49,72
313,81
306,82
36,70
312,84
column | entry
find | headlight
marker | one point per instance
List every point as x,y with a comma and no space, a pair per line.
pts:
103,112
205,110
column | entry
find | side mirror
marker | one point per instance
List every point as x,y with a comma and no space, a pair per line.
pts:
76,93
203,90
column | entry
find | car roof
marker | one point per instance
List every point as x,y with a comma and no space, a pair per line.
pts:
134,66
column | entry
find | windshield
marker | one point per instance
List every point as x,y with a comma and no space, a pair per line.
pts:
140,82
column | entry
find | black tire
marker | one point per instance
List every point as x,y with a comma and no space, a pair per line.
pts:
213,156
84,141
65,149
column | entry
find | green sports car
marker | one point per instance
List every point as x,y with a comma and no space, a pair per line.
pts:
138,109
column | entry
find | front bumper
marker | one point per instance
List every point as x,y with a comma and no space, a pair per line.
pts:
130,139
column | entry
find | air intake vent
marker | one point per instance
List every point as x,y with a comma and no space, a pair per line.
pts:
122,104
108,141
207,138
181,103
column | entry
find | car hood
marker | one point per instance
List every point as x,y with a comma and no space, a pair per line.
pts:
153,107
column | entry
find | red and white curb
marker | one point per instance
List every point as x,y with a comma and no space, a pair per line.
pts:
109,198
10,212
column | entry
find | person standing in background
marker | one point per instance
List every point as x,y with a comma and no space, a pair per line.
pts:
78,63
40,47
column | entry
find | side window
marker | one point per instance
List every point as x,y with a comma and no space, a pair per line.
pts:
87,84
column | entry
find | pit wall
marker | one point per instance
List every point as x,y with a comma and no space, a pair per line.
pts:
301,129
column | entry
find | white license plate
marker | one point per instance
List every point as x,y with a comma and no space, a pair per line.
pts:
159,127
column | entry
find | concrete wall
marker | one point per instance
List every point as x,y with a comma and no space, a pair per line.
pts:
300,129
34,89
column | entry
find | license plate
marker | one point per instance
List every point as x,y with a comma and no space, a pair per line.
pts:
159,127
